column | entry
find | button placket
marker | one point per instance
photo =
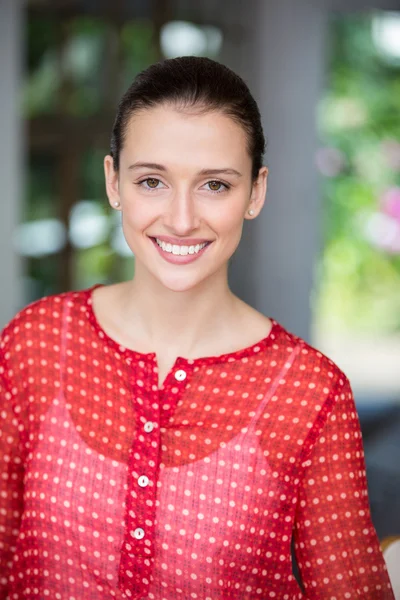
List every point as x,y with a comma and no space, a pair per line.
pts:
137,554
138,546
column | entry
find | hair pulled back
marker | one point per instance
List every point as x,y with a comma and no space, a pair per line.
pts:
191,82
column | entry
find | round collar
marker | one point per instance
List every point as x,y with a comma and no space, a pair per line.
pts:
229,357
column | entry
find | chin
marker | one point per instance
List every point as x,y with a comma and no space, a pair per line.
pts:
181,282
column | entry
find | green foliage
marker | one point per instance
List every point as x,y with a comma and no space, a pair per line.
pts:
359,282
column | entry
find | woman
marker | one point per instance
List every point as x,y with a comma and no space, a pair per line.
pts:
162,439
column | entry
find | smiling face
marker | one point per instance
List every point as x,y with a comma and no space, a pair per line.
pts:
184,188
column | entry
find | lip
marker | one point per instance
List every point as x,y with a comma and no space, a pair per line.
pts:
180,241
178,259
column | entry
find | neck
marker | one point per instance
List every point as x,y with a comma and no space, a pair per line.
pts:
179,321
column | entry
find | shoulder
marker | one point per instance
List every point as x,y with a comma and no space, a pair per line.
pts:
39,320
313,384
310,366
314,388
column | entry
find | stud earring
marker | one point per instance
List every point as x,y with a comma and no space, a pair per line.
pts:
117,204
251,212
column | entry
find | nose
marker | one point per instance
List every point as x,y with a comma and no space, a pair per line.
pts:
182,218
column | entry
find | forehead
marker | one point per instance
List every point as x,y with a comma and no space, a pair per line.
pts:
200,139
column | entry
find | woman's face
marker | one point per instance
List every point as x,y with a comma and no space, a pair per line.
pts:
184,188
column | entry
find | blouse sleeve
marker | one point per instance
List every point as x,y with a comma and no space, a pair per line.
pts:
11,477
336,545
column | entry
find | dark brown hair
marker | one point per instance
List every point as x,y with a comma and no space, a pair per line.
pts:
192,82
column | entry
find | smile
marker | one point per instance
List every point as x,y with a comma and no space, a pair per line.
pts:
180,254
180,250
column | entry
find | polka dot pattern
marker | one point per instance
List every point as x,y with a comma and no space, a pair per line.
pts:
113,488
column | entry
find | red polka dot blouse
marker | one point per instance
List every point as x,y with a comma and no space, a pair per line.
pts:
113,488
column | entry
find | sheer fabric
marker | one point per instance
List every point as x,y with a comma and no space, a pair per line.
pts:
112,488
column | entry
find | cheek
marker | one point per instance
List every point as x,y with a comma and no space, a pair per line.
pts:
229,219
137,212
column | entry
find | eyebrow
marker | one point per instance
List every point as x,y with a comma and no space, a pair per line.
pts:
157,167
145,165
219,171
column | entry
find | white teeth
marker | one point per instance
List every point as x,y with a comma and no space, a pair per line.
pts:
180,250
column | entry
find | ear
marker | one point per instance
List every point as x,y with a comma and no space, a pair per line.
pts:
111,178
258,192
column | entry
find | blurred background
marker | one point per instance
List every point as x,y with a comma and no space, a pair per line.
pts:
323,258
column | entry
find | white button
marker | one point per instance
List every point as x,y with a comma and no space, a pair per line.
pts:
148,427
143,481
180,375
138,533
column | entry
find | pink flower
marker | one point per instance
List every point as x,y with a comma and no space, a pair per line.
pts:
390,203
383,232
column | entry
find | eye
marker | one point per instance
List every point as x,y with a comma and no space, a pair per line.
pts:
217,186
150,183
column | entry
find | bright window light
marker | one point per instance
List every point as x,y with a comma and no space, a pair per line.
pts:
40,238
181,38
88,225
386,34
